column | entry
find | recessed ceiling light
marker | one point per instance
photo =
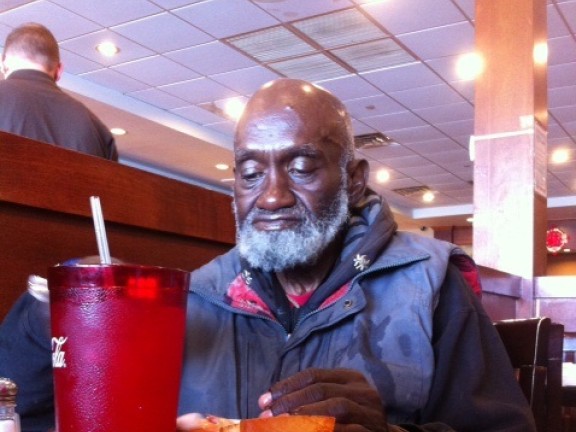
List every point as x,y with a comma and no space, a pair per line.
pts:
382,175
428,196
118,131
560,156
470,66
222,166
108,49
470,219
234,107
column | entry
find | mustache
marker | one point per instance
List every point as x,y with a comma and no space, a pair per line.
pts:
297,210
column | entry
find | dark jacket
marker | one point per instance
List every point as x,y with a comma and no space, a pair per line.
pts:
33,106
400,313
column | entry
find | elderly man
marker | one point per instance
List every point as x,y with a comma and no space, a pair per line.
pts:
323,307
32,105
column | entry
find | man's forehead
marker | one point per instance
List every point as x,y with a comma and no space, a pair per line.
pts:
271,133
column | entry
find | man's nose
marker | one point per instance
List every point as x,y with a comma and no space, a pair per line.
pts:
276,193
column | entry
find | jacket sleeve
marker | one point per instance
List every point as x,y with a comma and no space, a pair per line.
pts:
474,388
25,358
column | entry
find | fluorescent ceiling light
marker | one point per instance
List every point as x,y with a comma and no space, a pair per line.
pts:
316,67
342,28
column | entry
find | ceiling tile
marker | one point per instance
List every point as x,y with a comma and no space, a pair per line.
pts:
446,67
562,96
386,153
466,88
556,25
402,183
245,81
61,22
442,41
399,16
561,50
468,6
395,156
361,128
211,58
197,114
156,71
416,134
436,146
447,113
406,162
158,98
423,171
444,159
348,87
565,113
85,46
561,75
114,80
171,4
163,32
568,11
394,121
11,4
226,127
231,22
373,106
457,128
75,64
425,97
199,90
110,12
402,77
291,10
437,179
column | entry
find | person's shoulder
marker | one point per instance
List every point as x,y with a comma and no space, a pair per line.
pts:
423,242
223,268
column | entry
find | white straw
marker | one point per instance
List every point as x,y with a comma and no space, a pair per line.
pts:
100,230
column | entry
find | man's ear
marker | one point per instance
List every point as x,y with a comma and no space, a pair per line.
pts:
358,173
58,72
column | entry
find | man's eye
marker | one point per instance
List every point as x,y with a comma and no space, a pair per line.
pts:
301,166
250,175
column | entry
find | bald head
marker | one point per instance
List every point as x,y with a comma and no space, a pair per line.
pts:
31,46
303,108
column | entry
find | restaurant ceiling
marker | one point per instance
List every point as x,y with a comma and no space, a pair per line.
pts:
181,60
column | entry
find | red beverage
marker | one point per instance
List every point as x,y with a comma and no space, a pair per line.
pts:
117,346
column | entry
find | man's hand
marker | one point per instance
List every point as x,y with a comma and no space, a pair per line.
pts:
341,393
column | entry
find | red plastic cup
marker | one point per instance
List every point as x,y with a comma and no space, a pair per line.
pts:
117,346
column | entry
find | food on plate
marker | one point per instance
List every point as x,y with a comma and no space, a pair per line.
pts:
293,423
284,423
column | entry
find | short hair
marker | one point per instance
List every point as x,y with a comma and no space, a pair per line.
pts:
34,42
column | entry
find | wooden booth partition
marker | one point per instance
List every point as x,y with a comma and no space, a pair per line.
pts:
45,215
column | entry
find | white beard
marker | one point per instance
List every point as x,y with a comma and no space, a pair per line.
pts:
281,250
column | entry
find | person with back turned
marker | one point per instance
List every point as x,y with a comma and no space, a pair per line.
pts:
33,106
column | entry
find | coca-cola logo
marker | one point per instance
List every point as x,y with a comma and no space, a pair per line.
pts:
58,354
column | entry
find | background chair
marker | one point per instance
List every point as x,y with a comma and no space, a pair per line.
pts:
534,346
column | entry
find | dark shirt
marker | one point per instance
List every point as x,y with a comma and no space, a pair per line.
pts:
33,106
